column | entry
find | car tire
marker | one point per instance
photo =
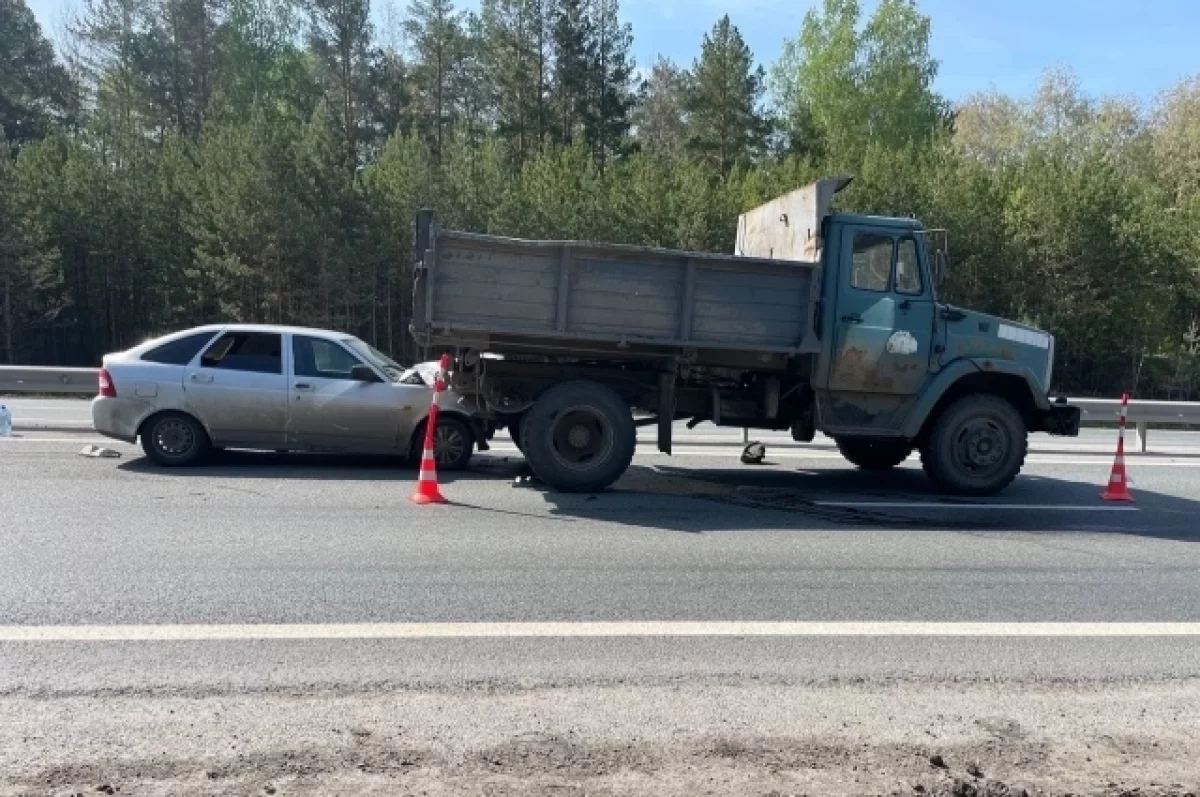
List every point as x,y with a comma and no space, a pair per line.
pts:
173,439
977,446
873,453
453,443
579,437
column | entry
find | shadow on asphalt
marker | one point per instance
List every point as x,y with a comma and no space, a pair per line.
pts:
779,497
775,495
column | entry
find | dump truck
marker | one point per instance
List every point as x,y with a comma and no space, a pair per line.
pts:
819,321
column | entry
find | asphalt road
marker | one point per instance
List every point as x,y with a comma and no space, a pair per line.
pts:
423,697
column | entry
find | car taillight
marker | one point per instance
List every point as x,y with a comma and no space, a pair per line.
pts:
106,384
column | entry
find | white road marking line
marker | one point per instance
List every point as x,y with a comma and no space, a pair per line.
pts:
76,440
567,630
952,505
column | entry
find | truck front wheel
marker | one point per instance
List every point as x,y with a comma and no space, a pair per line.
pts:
578,437
977,446
871,453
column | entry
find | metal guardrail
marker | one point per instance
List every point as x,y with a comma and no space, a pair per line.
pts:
34,379
80,381
1141,413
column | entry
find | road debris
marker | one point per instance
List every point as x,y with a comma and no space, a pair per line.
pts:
99,452
754,453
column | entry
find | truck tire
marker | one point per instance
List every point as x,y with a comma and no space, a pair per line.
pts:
874,453
514,431
977,446
578,437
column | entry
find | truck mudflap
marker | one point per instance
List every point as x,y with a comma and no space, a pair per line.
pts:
1062,420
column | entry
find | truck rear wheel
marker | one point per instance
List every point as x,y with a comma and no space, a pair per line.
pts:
872,453
578,437
977,446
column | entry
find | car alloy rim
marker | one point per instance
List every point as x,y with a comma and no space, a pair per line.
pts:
174,438
448,444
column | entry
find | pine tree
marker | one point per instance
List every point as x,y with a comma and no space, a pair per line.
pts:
340,36
436,36
725,125
35,91
661,119
516,54
572,32
610,99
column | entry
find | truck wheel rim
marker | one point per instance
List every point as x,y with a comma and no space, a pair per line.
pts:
980,446
448,444
581,438
174,438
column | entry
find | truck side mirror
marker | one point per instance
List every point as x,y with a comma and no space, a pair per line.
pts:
940,267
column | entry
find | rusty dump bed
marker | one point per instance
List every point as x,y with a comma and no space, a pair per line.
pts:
588,299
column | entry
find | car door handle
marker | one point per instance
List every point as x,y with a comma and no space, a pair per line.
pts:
205,378
303,386
854,318
905,305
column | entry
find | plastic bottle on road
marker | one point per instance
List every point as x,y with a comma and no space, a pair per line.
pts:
5,421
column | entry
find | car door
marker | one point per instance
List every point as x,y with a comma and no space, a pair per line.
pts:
883,324
238,389
329,410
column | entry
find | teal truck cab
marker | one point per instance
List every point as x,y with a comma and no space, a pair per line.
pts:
820,322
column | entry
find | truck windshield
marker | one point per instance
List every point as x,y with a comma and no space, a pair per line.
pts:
377,358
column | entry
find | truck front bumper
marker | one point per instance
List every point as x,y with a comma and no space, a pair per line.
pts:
1062,420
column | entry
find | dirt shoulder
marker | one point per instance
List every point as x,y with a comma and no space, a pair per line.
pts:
759,739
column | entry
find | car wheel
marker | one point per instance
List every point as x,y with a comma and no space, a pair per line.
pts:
453,444
174,439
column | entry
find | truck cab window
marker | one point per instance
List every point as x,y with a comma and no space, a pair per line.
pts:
908,268
872,267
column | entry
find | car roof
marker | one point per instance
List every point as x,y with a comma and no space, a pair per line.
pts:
280,328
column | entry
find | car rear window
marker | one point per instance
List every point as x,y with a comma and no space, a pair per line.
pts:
180,351
246,351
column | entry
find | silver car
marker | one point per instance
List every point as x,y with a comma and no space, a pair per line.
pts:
275,388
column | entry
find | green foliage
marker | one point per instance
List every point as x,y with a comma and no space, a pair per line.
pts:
263,160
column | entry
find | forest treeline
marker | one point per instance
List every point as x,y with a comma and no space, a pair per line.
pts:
174,162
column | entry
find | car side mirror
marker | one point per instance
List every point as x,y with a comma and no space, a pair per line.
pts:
363,373
940,267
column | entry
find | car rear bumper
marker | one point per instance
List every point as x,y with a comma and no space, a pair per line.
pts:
119,418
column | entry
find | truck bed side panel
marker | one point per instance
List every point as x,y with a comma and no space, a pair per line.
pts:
535,294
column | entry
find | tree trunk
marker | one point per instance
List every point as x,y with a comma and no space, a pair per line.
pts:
8,320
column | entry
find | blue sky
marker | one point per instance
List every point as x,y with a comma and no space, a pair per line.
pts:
1115,46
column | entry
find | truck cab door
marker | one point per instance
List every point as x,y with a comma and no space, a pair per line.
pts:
883,332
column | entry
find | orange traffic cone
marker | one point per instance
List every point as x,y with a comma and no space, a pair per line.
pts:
1118,482
428,491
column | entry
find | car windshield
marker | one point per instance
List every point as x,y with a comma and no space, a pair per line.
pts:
377,358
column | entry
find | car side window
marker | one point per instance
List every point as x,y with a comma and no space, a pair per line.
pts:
872,266
908,268
260,352
178,352
322,359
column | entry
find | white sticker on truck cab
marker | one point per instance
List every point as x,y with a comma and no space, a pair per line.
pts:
1029,337
902,342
